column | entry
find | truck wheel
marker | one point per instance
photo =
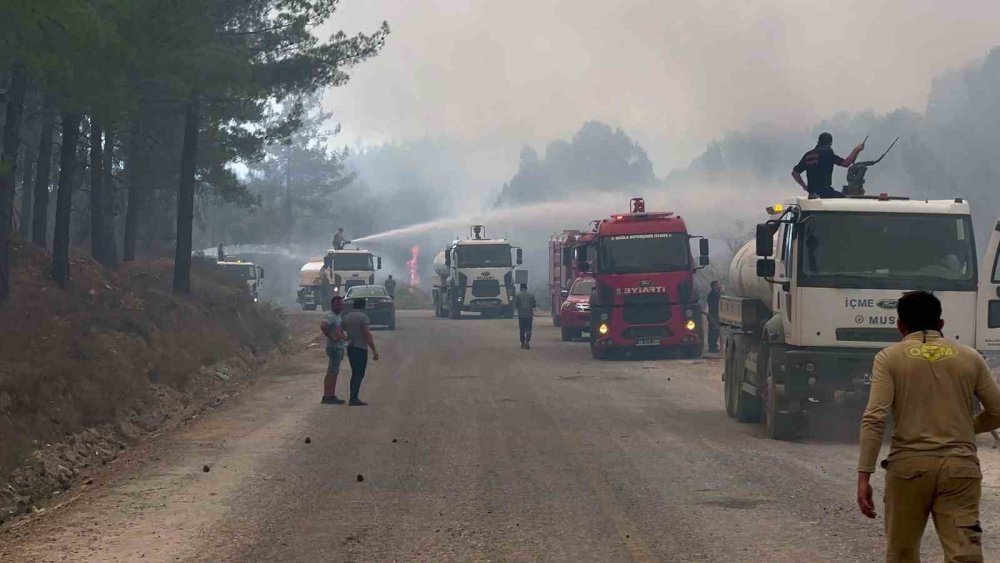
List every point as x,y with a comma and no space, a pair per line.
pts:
392,323
746,407
597,352
780,423
556,321
567,334
692,351
454,310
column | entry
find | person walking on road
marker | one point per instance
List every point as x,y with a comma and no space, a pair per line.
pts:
929,383
336,346
818,166
324,286
359,340
524,302
713,316
390,287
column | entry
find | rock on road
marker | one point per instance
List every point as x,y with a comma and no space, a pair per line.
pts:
473,449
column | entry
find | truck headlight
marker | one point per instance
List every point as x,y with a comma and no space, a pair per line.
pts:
602,328
690,325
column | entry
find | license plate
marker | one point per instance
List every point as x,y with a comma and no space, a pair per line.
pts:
647,342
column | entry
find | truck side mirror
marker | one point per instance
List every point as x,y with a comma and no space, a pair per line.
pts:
564,293
260,272
581,253
765,239
703,261
520,257
765,268
703,248
447,257
379,263
584,266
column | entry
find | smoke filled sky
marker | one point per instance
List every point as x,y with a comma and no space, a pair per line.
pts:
674,74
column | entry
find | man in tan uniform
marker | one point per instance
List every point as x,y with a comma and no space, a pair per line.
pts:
929,384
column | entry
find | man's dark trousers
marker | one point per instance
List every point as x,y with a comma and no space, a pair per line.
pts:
358,357
524,325
826,193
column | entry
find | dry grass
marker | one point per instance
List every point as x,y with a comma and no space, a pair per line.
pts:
72,359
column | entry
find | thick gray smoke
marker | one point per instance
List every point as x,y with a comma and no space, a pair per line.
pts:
674,75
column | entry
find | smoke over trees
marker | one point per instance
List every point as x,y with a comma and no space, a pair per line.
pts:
597,158
948,151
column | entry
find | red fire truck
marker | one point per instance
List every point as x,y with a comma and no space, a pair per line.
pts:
644,295
564,265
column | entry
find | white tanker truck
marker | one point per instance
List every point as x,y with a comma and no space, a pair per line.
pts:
813,299
477,275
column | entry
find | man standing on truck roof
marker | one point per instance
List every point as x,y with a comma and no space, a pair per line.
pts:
714,294
339,241
818,166
928,383
336,345
524,302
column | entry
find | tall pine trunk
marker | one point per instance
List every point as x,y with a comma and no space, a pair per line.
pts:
8,165
289,216
133,176
185,199
64,201
109,246
40,207
97,192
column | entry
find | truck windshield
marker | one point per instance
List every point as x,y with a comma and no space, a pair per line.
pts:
353,261
887,251
484,256
653,252
239,271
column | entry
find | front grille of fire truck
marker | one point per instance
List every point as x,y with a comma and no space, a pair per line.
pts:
647,332
646,309
486,288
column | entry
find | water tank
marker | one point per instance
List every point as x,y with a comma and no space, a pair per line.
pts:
439,268
743,280
309,274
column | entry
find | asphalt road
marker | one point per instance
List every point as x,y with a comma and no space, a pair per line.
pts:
472,449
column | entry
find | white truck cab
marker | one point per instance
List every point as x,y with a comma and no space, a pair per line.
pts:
351,267
813,298
476,275
247,272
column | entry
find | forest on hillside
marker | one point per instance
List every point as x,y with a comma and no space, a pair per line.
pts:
124,121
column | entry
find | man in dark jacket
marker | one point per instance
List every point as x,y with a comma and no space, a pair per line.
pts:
818,166
713,316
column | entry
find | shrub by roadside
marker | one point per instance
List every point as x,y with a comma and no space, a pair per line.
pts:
84,371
